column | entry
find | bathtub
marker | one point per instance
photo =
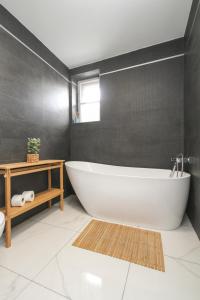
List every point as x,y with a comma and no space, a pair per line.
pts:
134,196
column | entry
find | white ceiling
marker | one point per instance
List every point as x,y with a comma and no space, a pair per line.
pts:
79,32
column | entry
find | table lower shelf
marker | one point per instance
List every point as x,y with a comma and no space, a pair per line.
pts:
40,198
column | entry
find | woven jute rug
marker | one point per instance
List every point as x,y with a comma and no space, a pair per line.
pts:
139,246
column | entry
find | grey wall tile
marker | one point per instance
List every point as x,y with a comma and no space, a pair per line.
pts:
163,50
141,118
34,102
22,33
192,113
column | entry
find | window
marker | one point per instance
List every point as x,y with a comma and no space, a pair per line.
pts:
89,100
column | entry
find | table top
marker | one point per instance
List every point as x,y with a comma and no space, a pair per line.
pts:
26,164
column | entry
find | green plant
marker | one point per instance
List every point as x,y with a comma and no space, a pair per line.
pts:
33,145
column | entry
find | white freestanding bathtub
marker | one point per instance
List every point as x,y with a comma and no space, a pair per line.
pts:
134,196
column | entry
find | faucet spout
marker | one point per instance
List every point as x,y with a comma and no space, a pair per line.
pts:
180,160
173,170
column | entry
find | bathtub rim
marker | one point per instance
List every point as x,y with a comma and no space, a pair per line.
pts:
67,165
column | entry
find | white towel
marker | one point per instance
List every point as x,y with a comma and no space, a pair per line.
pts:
17,200
2,218
28,196
2,223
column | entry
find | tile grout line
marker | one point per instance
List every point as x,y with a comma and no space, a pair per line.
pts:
57,226
33,279
53,257
18,275
60,227
126,281
29,281
68,242
37,283
43,286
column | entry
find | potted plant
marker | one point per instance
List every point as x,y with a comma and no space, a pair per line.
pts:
33,148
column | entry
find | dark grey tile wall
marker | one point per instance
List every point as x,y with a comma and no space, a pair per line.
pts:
34,102
15,27
136,57
141,111
192,111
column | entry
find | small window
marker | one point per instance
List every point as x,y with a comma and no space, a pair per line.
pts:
89,100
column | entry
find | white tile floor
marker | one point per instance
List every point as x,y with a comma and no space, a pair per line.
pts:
42,264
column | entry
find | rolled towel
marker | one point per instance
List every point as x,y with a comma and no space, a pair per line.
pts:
2,223
17,200
28,196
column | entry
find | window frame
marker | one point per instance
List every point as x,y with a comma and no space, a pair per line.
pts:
79,103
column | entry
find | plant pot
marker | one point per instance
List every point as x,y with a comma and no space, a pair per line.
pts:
32,158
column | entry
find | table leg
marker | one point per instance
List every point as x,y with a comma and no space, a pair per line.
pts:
49,185
7,204
8,233
61,187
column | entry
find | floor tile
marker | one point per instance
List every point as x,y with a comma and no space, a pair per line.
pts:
80,274
11,284
176,283
34,291
191,261
42,251
73,217
180,241
33,245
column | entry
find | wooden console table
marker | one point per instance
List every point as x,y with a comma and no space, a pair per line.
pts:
22,168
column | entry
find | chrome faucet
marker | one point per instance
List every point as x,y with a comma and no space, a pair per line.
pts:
173,170
178,160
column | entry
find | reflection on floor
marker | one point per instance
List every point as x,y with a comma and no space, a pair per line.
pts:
42,263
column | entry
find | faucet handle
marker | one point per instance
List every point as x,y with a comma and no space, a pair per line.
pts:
179,159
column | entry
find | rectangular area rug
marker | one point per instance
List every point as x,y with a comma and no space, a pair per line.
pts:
139,246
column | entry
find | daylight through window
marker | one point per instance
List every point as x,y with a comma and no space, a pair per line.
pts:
89,100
